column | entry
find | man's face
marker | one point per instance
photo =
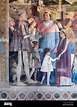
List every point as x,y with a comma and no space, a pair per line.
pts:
46,17
23,16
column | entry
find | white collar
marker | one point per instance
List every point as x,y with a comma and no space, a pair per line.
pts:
48,23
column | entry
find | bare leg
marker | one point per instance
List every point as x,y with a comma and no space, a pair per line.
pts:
19,66
14,77
48,77
35,74
44,75
26,65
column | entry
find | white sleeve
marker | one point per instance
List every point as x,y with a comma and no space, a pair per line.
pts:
52,59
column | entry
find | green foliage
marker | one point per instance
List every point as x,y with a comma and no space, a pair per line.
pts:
71,8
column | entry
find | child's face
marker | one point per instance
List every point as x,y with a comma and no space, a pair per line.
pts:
36,46
48,53
32,45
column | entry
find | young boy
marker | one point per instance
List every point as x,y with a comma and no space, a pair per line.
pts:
47,67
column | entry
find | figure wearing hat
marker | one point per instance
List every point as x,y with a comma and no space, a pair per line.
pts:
49,37
35,58
63,65
21,34
21,43
32,29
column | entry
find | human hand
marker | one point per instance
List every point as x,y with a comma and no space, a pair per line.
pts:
59,57
55,50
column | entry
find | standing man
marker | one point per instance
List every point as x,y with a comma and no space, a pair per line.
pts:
21,35
49,39
21,43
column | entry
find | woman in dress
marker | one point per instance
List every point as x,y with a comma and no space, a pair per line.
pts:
63,66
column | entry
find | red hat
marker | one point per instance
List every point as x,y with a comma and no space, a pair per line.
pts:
30,20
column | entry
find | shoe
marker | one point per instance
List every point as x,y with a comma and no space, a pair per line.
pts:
14,83
48,84
20,84
40,82
31,81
